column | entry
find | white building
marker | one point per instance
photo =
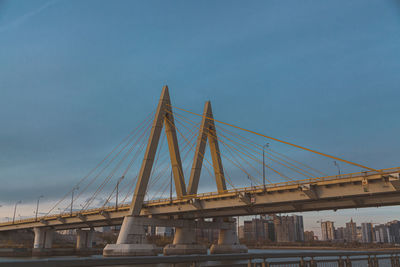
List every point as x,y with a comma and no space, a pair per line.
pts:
164,231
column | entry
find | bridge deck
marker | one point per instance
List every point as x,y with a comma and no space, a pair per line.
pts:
364,189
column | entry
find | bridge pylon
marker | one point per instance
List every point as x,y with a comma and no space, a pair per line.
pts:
207,131
132,239
185,239
163,116
228,241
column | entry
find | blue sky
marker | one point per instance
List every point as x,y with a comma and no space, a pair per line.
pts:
77,76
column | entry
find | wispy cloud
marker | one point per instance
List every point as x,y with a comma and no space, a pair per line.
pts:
25,17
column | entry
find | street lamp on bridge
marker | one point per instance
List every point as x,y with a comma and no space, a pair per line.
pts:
337,166
15,210
251,182
72,198
37,206
264,146
116,197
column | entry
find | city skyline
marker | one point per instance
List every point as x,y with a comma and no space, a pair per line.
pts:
315,226
291,228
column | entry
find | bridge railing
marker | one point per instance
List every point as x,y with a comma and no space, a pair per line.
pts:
280,184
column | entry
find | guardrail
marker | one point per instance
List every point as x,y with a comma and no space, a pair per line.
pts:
288,183
298,259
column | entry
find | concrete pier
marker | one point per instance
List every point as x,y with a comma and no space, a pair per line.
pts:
43,238
43,241
228,242
84,241
131,240
184,243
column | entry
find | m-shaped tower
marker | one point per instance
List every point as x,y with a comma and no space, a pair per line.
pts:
132,237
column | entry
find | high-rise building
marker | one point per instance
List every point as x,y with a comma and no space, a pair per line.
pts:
241,232
308,236
164,231
381,234
328,230
351,231
394,231
206,234
367,232
259,230
359,234
340,234
283,229
269,230
298,228
248,231
289,228
151,230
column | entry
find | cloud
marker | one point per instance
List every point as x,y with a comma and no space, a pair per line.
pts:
22,19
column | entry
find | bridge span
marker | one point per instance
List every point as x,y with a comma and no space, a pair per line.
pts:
357,190
188,209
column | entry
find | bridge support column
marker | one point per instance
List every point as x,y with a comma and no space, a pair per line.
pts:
131,240
184,243
43,241
43,238
228,242
84,239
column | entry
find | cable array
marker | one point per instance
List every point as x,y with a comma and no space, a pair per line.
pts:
93,185
245,158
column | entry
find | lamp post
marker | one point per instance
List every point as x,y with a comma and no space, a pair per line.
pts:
37,207
72,198
170,187
337,166
15,210
251,182
116,197
264,146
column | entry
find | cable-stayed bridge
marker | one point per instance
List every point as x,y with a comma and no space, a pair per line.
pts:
157,194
